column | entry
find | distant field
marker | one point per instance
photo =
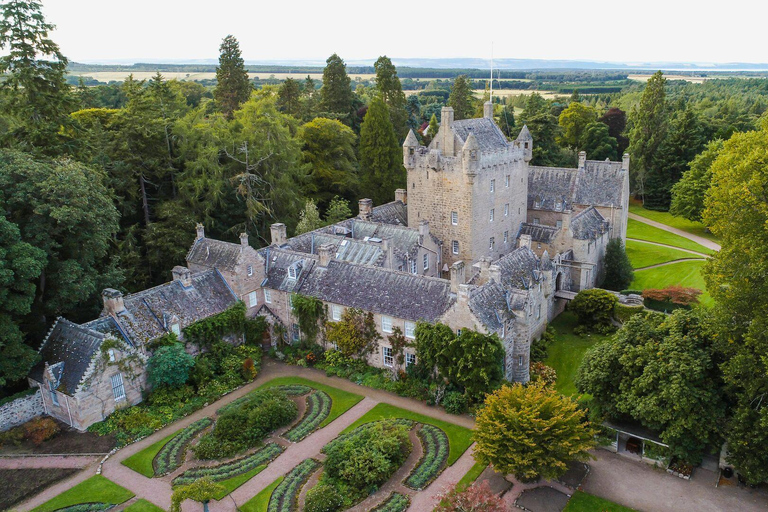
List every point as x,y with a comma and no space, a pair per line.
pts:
519,92
692,79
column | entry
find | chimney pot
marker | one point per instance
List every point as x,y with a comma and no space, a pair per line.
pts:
326,253
200,231
279,233
582,159
525,241
401,195
244,239
183,275
625,162
365,209
488,110
113,301
424,228
457,276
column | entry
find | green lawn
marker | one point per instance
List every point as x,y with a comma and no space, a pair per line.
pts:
459,438
567,351
641,231
685,273
342,401
260,502
472,475
230,484
141,462
96,489
143,506
644,255
583,502
694,228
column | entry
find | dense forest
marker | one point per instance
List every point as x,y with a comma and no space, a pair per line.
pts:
101,186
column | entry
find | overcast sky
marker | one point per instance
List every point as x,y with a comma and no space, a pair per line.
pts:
601,30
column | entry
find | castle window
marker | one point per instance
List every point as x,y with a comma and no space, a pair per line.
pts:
296,332
491,216
506,209
493,185
455,246
536,220
458,332
493,243
253,299
413,267
388,356
520,361
455,218
538,312
506,181
250,270
506,236
410,330
118,390
268,296
559,205
426,262
52,391
559,224
336,313
410,359
111,354
386,324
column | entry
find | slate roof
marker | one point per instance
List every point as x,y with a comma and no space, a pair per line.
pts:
148,313
588,225
397,294
68,349
488,303
538,232
404,241
548,185
346,249
597,184
278,262
489,136
214,253
518,268
395,212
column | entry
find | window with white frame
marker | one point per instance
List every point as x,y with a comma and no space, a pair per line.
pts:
296,332
458,332
536,220
292,272
52,391
386,324
409,359
538,312
520,361
426,262
176,328
492,243
455,246
455,218
118,390
253,299
267,296
506,181
250,270
506,237
506,209
559,205
413,267
111,353
559,224
493,185
410,330
490,217
336,312
388,356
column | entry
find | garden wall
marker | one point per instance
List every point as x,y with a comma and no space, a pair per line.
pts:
21,410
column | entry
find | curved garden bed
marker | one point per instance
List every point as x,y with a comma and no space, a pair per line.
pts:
171,455
87,507
233,468
318,409
435,443
396,502
286,494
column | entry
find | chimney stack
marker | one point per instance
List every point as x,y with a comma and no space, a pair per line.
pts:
424,229
182,275
113,301
365,209
200,231
582,159
494,272
244,240
488,110
325,252
525,241
457,276
625,162
279,233
401,195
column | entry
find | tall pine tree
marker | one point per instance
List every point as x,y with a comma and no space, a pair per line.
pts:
233,88
381,157
461,98
336,96
391,91
649,129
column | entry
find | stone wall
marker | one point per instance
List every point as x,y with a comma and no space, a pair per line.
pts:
21,410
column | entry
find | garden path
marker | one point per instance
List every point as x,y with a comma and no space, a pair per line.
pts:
700,255
667,263
48,461
709,244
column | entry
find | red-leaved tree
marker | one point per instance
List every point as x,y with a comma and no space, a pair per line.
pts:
674,294
476,498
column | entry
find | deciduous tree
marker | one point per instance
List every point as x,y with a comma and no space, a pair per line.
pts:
596,142
573,122
689,193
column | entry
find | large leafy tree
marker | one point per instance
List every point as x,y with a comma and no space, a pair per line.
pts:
531,432
618,268
461,97
597,142
689,193
34,90
663,372
336,96
737,211
544,128
573,122
391,91
169,366
381,157
233,87
650,123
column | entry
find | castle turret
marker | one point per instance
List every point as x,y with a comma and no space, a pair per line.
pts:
525,141
409,149
469,156
446,138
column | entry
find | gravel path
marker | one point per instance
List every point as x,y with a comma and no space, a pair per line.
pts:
668,263
56,461
700,255
709,244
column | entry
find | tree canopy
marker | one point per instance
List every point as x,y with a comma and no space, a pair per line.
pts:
381,157
233,86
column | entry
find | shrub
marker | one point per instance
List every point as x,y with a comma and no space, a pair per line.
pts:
39,430
169,366
540,346
455,402
674,294
623,312
202,490
475,497
14,436
593,307
323,498
618,269
544,373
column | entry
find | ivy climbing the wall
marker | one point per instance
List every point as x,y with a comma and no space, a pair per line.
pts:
205,333
310,312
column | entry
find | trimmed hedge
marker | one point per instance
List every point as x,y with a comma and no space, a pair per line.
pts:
623,312
435,443
171,455
231,469
318,408
295,389
396,502
286,494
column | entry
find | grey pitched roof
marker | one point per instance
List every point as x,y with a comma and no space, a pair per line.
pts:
69,349
403,240
278,262
148,313
489,136
395,212
538,232
549,185
518,268
347,249
108,325
397,294
488,303
588,225
525,134
597,184
214,253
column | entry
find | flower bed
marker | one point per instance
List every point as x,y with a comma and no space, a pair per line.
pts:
295,389
680,469
231,469
286,494
87,507
358,430
435,443
395,503
171,456
318,408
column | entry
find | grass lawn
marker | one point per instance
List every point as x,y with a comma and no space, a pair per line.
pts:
342,401
141,462
694,228
685,273
567,351
644,255
459,438
471,476
260,502
583,502
143,506
636,229
230,484
96,489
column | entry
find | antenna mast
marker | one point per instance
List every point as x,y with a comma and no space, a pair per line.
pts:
491,96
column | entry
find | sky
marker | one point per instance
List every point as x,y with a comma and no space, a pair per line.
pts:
279,30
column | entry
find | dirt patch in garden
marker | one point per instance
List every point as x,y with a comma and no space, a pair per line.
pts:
68,440
20,484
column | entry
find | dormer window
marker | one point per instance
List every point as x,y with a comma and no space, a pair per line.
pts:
537,202
559,205
292,272
176,328
111,354
250,270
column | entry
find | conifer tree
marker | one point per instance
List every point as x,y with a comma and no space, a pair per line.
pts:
234,87
434,127
461,98
289,97
618,269
649,129
391,91
336,96
381,157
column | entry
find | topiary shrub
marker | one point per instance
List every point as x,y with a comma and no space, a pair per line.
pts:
623,312
593,307
455,402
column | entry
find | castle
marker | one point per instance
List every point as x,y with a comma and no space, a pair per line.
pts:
480,239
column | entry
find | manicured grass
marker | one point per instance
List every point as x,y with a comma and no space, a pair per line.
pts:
459,438
342,400
694,228
96,489
471,476
567,351
644,255
583,502
230,484
641,231
141,462
685,273
143,506
260,502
